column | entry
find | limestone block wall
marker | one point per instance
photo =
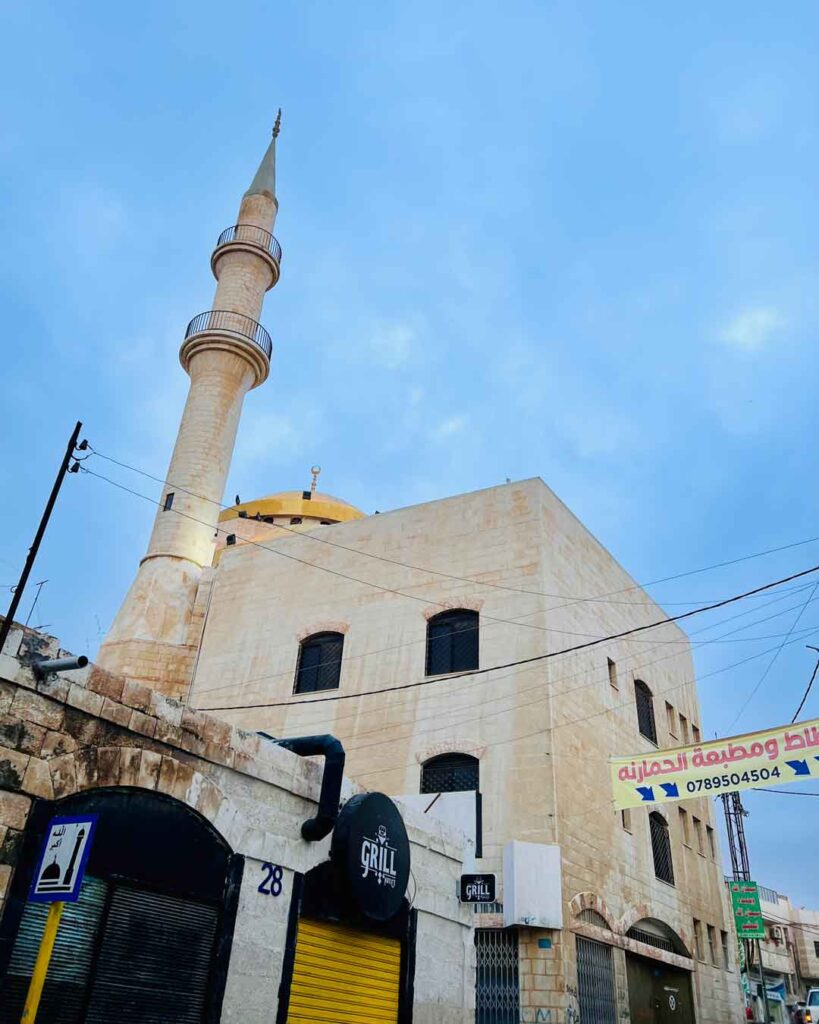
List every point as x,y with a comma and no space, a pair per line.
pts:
90,728
543,730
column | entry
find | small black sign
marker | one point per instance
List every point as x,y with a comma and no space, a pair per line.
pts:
372,850
477,889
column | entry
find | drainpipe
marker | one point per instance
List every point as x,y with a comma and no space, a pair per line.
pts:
306,746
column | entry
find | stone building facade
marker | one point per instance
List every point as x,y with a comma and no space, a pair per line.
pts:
93,735
541,729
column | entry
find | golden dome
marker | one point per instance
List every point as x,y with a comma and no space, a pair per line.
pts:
304,504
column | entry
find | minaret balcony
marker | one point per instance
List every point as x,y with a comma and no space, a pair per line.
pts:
222,329
249,238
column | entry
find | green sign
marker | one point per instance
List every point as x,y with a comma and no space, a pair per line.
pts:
747,910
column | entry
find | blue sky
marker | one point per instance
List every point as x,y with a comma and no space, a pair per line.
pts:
567,240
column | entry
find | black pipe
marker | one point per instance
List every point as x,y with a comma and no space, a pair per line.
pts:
43,668
306,746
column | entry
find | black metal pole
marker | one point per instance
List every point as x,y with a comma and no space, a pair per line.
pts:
5,627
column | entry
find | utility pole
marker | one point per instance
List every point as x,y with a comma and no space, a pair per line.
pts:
17,594
741,868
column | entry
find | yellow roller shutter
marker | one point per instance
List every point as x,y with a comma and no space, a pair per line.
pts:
343,976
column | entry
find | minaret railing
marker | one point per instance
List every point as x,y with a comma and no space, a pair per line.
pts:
252,235
227,322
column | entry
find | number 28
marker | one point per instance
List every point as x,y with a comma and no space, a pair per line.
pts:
271,884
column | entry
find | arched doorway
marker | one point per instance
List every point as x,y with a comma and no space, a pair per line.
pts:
658,992
149,939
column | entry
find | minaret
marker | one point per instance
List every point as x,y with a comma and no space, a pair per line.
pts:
226,352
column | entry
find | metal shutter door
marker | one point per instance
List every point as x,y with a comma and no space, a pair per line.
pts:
64,992
155,960
343,976
595,982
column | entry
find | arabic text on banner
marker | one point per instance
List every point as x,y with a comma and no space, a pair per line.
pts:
772,757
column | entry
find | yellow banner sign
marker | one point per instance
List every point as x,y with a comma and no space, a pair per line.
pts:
771,757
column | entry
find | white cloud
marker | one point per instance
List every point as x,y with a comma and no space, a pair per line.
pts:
392,345
449,427
752,329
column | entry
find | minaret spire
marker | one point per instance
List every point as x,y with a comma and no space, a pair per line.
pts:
226,352
264,183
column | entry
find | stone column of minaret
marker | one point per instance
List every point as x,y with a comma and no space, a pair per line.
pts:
226,352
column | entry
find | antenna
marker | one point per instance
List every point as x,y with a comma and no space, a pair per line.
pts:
315,471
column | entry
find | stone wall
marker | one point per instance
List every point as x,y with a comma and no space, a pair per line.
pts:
89,728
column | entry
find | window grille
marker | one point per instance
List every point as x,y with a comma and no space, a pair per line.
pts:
595,982
645,711
488,908
319,665
452,642
589,916
450,773
497,989
650,939
661,848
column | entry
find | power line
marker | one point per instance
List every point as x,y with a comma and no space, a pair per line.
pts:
603,598
807,691
772,662
783,792
540,657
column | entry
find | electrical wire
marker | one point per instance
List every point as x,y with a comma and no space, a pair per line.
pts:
772,662
807,691
550,654
782,792
603,598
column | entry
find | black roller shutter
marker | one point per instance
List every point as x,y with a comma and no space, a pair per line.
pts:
154,960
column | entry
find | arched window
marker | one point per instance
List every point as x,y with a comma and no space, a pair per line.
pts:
645,710
661,847
452,642
449,773
319,662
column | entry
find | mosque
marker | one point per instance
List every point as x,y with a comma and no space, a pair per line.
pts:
426,640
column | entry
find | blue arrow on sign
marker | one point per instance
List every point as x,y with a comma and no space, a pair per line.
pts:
669,788
646,792
799,767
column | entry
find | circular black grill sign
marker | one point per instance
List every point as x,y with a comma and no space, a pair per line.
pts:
371,849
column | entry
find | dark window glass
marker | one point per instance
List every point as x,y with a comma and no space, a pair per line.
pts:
450,773
645,710
319,662
661,847
168,501
452,642
295,520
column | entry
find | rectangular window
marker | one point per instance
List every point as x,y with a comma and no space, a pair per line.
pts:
695,733
671,720
712,944
613,674
684,730
697,939
726,957
686,836
625,817
645,711
712,846
816,948
168,502
698,834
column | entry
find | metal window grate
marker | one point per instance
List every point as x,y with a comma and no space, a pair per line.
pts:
589,916
488,908
497,989
650,939
595,982
661,848
319,663
645,711
452,642
450,773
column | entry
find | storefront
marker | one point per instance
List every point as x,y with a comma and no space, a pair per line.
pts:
150,936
